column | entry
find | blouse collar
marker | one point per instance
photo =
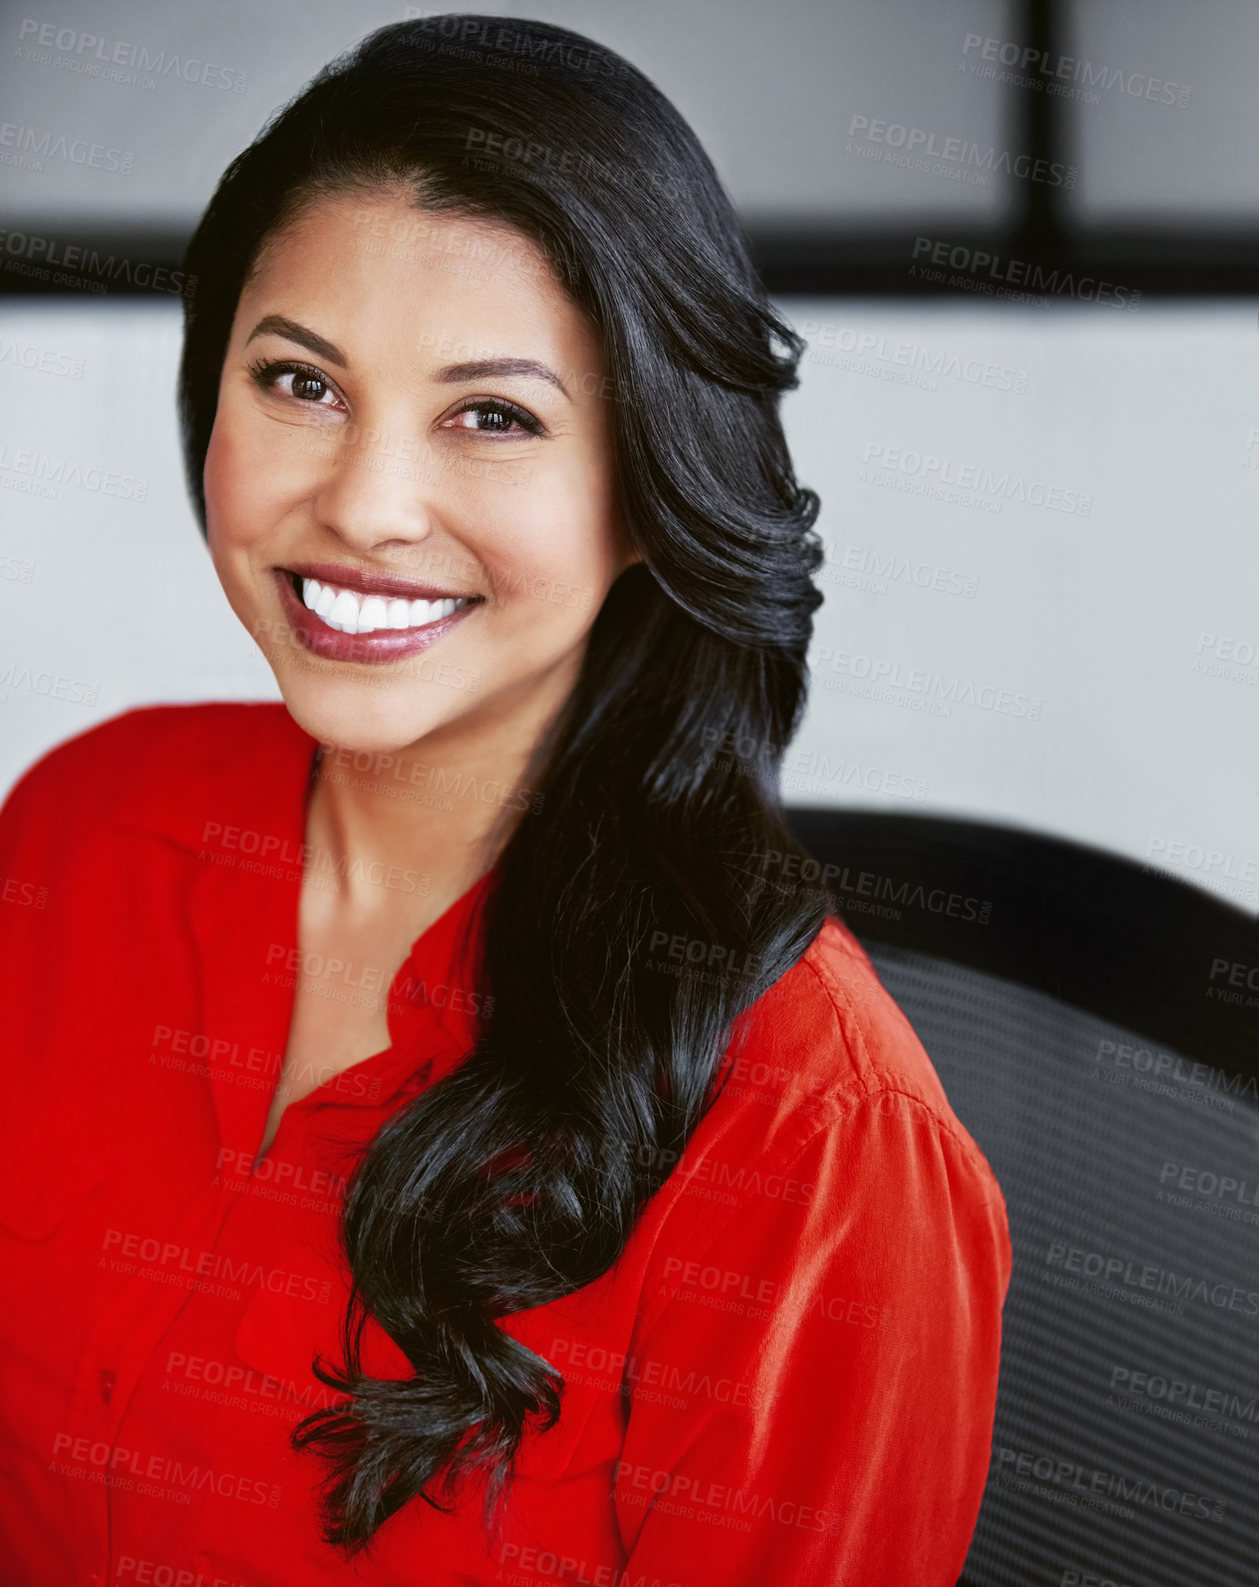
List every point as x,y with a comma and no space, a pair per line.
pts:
243,815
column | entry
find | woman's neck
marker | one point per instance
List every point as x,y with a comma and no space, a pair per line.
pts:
429,819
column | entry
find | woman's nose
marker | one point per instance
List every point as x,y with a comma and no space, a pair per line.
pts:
379,487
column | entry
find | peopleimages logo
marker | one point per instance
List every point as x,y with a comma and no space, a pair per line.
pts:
100,1457
37,474
1087,1481
32,147
880,460
954,155
45,360
528,49
921,687
1034,67
977,270
1115,1270
93,55
79,265
905,359
1178,1395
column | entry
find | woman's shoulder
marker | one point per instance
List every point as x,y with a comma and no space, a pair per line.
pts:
148,736
824,1045
831,1144
149,764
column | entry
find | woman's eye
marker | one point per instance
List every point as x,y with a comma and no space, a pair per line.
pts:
308,387
495,418
299,382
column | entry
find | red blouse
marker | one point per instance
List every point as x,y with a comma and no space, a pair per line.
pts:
787,1379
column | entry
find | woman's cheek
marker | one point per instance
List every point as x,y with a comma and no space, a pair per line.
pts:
227,473
248,477
555,549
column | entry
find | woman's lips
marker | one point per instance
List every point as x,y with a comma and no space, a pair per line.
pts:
383,645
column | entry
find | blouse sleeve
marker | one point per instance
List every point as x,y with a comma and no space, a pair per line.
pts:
838,1356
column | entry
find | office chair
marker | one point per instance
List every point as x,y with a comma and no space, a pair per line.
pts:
1094,1023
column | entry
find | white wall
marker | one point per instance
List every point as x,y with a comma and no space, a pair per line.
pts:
1144,740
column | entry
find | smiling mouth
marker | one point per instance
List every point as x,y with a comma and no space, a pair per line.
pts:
351,611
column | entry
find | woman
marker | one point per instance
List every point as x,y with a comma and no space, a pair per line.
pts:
450,1145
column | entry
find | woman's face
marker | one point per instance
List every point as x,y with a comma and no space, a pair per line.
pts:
411,413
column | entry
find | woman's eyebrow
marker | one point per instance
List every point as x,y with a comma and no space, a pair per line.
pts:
481,368
476,369
293,332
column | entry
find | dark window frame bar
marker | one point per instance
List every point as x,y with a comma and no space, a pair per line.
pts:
1040,252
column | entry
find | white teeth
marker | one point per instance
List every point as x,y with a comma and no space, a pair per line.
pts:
344,613
352,613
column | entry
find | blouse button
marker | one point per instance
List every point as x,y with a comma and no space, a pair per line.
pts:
107,1380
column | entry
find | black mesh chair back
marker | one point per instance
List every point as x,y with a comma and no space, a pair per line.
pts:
1093,1022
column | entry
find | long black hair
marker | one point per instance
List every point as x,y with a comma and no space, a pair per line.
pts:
518,1177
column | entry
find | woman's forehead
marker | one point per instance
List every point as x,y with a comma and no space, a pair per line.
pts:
428,263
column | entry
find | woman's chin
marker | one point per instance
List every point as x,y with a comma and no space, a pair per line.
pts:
356,718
